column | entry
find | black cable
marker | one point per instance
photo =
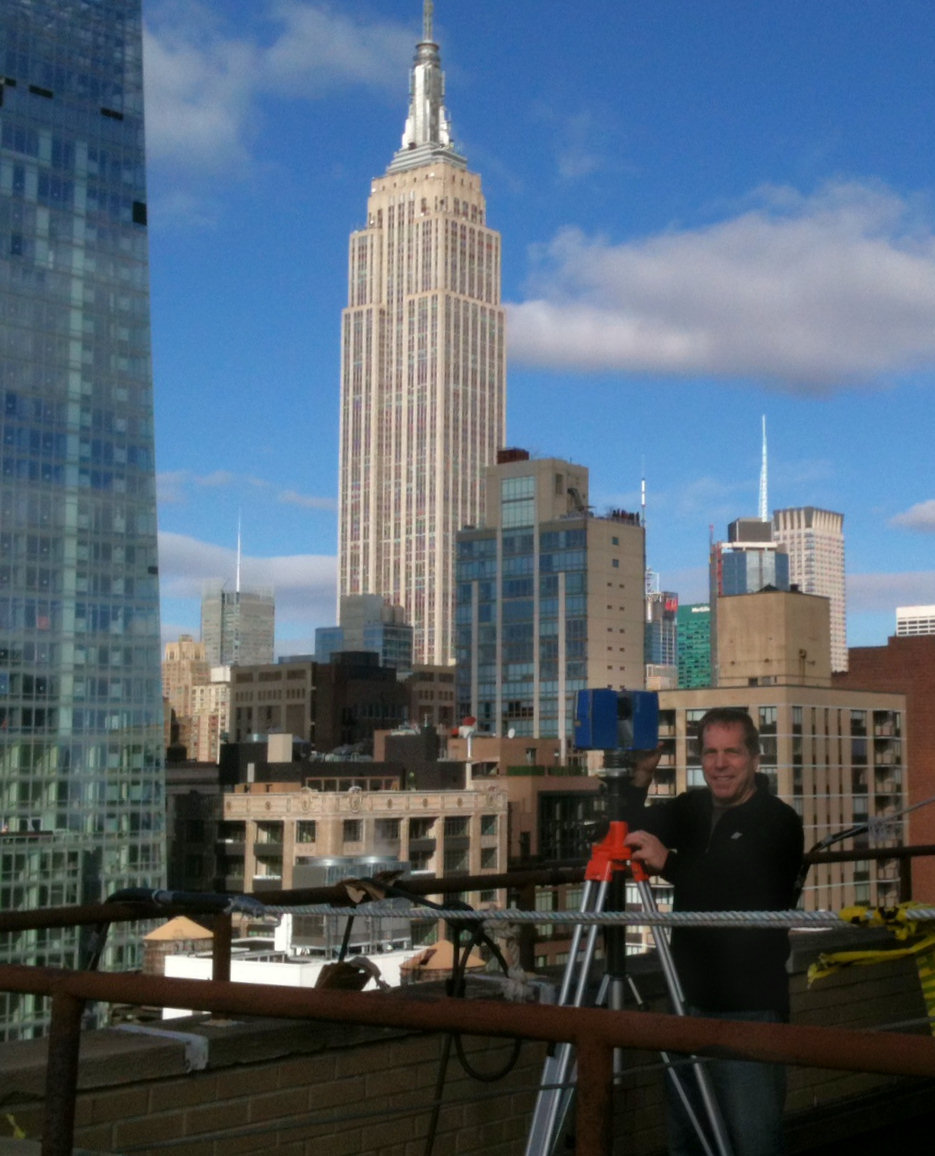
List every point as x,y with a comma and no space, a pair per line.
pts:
455,988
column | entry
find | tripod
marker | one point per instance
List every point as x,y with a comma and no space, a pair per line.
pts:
604,889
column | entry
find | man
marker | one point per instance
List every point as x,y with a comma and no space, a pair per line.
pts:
731,847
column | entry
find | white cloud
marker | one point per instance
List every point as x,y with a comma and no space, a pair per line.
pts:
317,48
306,501
198,94
204,82
304,584
806,292
921,516
172,485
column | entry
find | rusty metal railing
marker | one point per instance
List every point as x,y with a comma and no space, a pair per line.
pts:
594,1033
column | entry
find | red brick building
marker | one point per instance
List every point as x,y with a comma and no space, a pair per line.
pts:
907,666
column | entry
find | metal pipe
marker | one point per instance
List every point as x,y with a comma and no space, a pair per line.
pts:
594,1117
61,1074
837,1048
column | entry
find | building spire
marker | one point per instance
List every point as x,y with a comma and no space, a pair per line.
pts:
764,501
427,135
237,578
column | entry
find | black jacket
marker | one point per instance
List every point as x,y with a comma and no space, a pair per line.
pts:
749,862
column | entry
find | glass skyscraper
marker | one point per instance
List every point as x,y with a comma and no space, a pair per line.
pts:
81,774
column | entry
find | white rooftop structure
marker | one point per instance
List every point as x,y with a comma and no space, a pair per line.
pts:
913,620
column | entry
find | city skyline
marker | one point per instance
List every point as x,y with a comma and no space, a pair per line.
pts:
706,217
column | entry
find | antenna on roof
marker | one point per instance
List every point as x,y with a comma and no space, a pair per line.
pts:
237,578
764,502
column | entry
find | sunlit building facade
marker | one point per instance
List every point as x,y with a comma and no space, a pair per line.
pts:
81,727
423,370
549,601
814,541
238,627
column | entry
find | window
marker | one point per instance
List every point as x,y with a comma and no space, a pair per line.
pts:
353,830
306,831
421,828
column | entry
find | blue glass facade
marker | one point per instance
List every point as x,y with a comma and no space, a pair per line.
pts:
81,775
543,622
747,571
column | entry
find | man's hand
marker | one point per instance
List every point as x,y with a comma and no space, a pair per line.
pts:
644,766
648,850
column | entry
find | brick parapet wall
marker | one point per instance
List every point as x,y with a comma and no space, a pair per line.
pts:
298,1089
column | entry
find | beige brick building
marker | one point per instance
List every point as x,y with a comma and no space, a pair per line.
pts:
270,828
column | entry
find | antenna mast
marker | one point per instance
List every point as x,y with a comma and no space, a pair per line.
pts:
237,579
764,501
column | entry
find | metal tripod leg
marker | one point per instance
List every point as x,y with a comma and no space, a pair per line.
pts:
556,1091
702,1076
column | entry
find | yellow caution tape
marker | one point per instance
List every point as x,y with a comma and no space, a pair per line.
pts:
899,920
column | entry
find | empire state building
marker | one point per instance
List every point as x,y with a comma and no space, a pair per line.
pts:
423,368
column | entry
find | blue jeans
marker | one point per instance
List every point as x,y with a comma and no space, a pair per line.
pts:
750,1095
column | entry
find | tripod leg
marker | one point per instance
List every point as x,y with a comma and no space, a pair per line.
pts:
555,1096
673,1074
702,1076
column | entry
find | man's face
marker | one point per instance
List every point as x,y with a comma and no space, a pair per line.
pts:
728,766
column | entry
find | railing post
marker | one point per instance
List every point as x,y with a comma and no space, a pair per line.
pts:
905,879
221,947
595,1102
526,901
61,1077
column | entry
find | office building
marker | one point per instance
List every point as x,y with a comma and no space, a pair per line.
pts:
549,600
183,668
237,626
431,692
906,665
814,542
422,370
661,640
693,627
750,560
81,722
274,832
914,620
324,705
210,715
368,622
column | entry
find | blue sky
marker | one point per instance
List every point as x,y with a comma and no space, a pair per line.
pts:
710,212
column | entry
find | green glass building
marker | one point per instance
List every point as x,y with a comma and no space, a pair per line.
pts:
81,774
